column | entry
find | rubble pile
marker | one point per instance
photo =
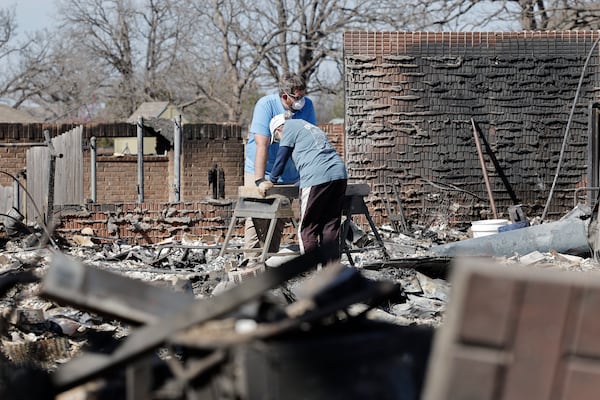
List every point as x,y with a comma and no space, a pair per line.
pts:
175,306
42,331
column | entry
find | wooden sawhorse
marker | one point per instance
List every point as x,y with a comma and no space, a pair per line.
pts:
354,204
277,205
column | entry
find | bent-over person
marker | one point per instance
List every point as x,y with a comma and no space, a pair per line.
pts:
323,181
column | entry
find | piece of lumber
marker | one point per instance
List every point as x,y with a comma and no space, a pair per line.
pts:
292,191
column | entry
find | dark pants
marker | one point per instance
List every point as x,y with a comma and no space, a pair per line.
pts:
321,213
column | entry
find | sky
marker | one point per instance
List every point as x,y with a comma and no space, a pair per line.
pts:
32,15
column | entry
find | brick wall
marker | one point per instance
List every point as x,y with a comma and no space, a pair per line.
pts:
116,179
410,98
153,222
205,145
14,138
148,222
335,133
12,161
202,146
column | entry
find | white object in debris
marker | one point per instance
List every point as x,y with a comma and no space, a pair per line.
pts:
285,255
532,258
87,231
245,326
81,240
487,227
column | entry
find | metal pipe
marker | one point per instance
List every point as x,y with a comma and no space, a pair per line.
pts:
177,160
568,236
51,177
140,159
93,169
589,189
484,170
497,166
31,144
16,195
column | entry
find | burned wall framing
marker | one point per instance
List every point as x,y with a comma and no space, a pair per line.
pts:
410,98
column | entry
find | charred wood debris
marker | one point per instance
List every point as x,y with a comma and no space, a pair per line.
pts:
96,319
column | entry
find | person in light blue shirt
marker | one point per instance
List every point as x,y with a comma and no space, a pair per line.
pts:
292,100
323,181
260,153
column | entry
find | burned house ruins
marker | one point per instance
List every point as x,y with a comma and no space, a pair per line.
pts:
115,281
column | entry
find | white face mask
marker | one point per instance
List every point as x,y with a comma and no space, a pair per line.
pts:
298,104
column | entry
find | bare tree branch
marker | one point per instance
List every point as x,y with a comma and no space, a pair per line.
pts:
216,57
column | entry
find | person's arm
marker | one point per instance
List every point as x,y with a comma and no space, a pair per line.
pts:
259,128
283,154
262,153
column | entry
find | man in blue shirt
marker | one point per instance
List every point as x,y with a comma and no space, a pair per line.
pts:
260,155
323,181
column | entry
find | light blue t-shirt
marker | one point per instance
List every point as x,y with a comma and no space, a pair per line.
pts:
316,159
265,109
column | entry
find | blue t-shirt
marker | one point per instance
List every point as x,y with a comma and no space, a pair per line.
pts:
316,159
265,109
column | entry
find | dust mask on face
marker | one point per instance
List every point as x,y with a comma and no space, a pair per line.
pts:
298,104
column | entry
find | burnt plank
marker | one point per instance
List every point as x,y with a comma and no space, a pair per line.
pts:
587,330
537,341
582,380
488,310
474,366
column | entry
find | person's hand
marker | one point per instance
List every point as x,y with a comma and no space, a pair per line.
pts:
263,187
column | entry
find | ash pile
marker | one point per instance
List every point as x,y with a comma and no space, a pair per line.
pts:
93,319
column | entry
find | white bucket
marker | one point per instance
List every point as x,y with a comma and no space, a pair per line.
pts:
487,226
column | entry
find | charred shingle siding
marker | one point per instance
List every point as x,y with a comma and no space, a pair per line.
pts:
410,97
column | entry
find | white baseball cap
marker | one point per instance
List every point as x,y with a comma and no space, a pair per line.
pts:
276,122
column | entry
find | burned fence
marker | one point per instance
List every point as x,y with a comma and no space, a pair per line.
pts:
54,175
